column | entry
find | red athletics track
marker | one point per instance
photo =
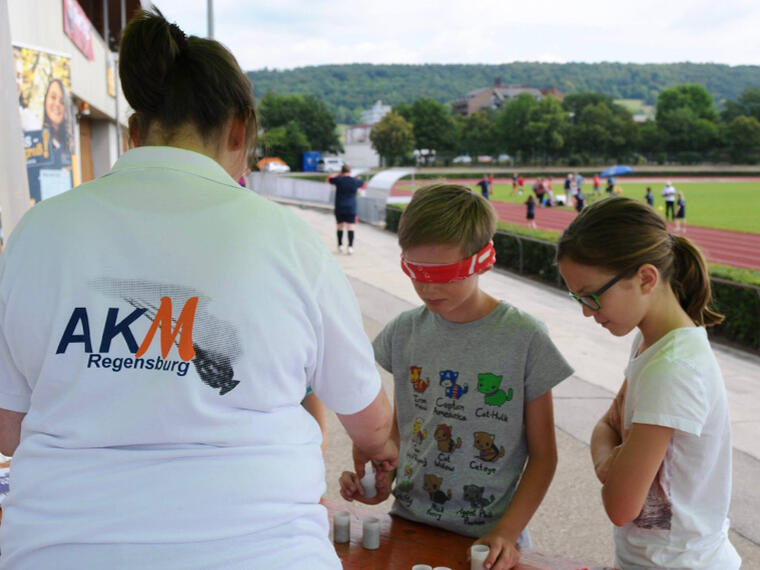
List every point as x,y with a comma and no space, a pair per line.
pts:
737,249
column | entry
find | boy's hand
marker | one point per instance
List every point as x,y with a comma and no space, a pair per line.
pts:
351,489
603,469
504,554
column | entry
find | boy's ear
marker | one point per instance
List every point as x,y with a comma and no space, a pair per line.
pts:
649,276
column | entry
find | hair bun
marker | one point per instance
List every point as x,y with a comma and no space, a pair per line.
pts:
178,36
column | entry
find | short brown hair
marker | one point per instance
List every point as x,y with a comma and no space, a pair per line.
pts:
174,80
622,234
447,214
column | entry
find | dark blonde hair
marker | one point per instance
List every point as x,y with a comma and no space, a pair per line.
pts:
622,234
174,80
447,214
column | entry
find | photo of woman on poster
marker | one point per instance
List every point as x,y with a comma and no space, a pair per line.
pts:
43,82
57,123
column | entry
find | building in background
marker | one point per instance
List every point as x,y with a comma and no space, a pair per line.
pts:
495,96
73,114
358,148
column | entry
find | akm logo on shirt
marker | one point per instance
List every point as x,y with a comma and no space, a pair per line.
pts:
213,361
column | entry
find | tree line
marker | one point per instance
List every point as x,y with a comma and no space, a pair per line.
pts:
584,128
347,89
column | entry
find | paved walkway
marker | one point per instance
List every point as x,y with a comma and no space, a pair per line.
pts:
571,520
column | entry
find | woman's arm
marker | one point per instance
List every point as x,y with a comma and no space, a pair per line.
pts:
535,480
318,410
10,431
632,471
370,430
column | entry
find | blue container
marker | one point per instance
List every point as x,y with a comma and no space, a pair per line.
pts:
309,160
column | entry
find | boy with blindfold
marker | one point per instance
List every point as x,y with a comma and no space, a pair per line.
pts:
473,378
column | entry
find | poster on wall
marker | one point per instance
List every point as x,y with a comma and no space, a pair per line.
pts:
43,81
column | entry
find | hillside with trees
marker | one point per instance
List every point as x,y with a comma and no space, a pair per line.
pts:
347,89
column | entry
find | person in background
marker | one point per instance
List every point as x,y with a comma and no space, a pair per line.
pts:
514,182
151,374
485,187
597,186
662,451
530,211
477,353
580,201
610,188
520,184
649,197
568,189
669,193
680,213
346,188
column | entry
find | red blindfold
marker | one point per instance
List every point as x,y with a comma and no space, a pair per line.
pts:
449,273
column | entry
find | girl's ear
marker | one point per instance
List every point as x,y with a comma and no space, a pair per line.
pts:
649,276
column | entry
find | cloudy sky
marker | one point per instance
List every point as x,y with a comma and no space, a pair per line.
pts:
292,33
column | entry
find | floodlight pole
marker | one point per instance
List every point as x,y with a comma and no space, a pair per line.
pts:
210,19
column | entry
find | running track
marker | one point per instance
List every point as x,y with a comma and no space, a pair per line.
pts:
737,249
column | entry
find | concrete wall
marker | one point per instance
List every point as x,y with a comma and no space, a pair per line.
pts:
14,188
39,24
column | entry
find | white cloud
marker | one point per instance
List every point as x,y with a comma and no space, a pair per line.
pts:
292,33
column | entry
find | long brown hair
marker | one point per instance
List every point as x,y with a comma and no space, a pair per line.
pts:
174,80
622,234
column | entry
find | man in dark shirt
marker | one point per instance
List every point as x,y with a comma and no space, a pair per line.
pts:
346,187
485,187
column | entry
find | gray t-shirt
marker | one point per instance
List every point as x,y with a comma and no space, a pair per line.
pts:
460,390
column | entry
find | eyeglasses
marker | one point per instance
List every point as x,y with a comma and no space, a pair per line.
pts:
592,299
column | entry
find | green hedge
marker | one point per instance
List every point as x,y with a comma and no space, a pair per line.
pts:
736,293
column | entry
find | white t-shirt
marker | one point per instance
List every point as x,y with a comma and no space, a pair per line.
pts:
182,445
677,383
669,193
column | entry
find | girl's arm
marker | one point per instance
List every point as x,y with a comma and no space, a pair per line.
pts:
535,480
632,471
608,435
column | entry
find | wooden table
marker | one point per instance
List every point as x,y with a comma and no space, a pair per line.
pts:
404,543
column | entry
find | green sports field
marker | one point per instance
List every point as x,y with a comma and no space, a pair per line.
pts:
710,204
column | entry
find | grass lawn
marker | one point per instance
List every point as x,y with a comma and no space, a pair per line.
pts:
722,205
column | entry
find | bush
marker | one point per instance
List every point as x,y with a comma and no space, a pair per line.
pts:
741,306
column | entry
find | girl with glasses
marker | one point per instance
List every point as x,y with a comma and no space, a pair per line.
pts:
663,449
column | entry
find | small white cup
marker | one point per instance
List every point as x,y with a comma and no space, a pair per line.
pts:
478,555
342,527
441,568
422,567
371,533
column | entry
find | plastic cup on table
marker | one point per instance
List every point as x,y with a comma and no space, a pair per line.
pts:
422,567
371,533
341,527
478,555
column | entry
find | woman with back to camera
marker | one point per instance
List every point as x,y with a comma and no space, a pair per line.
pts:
154,354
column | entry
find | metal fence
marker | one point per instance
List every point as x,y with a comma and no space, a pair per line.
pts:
370,204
